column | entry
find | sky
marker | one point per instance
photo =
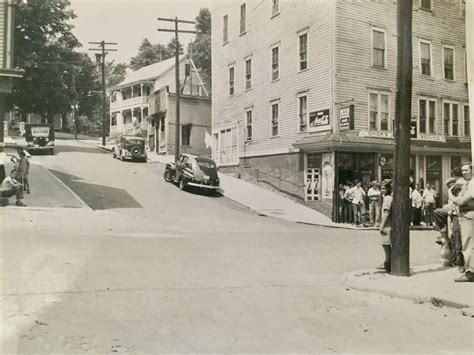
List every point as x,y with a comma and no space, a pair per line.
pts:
128,22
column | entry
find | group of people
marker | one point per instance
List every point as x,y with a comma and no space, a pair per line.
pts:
361,205
455,221
17,183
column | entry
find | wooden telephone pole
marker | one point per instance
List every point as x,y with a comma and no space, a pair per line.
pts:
401,205
178,94
101,57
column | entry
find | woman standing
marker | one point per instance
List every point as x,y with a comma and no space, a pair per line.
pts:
386,226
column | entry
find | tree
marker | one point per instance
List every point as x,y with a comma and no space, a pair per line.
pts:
114,73
201,46
153,53
44,48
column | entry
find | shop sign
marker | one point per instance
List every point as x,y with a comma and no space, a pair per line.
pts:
319,120
378,134
431,137
413,130
346,118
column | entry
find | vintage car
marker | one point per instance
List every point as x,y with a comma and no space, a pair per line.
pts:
130,147
195,171
39,138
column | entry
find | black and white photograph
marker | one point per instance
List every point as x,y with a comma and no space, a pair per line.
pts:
236,177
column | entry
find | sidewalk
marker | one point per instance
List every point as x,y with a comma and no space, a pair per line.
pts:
47,191
426,284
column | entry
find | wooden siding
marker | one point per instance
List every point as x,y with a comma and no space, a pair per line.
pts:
355,76
263,31
3,20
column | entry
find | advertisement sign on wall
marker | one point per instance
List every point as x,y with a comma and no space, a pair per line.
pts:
319,121
346,118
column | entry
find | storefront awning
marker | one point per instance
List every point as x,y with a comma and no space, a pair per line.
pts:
344,142
356,143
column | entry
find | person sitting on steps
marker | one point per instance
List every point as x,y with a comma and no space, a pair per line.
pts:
10,186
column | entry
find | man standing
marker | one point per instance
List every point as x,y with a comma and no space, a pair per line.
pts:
416,203
429,200
465,201
358,202
374,196
10,187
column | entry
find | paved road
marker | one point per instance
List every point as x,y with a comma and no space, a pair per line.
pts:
155,269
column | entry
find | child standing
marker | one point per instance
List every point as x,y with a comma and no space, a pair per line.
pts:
23,171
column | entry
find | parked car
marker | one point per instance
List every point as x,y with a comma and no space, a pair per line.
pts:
191,170
39,137
130,147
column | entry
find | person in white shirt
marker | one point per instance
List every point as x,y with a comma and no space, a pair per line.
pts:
374,196
416,204
358,202
11,187
429,201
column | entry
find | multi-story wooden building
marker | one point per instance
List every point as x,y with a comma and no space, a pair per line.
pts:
304,92
144,104
8,73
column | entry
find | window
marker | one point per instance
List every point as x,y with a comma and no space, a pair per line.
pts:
248,74
465,66
231,81
113,120
425,58
379,111
275,121
467,127
186,134
275,7
248,125
303,113
427,116
225,35
226,146
242,19
450,119
303,51
448,60
378,48
275,63
425,4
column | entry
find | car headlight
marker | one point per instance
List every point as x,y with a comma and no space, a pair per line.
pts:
30,144
50,144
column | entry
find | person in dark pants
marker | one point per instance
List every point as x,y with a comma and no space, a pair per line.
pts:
416,203
11,187
386,226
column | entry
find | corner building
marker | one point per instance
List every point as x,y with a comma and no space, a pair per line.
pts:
304,93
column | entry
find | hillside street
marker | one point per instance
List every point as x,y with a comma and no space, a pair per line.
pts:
147,268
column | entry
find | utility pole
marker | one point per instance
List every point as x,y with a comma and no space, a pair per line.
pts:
401,198
178,94
74,121
101,58
469,18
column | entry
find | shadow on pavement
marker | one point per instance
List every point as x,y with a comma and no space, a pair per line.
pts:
78,149
98,197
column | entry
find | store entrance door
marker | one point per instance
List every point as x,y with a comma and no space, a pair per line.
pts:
312,184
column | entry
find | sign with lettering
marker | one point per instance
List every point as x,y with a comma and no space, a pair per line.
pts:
319,120
413,130
379,134
346,118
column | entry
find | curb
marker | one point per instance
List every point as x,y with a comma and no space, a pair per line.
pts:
349,281
84,205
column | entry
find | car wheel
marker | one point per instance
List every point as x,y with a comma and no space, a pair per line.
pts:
182,184
167,175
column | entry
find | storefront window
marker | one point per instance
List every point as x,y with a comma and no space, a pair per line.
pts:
434,172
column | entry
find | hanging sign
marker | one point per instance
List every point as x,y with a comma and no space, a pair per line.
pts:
346,118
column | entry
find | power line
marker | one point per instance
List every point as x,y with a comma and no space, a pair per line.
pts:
100,59
176,31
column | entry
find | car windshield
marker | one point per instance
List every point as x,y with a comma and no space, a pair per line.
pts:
40,131
134,141
205,163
